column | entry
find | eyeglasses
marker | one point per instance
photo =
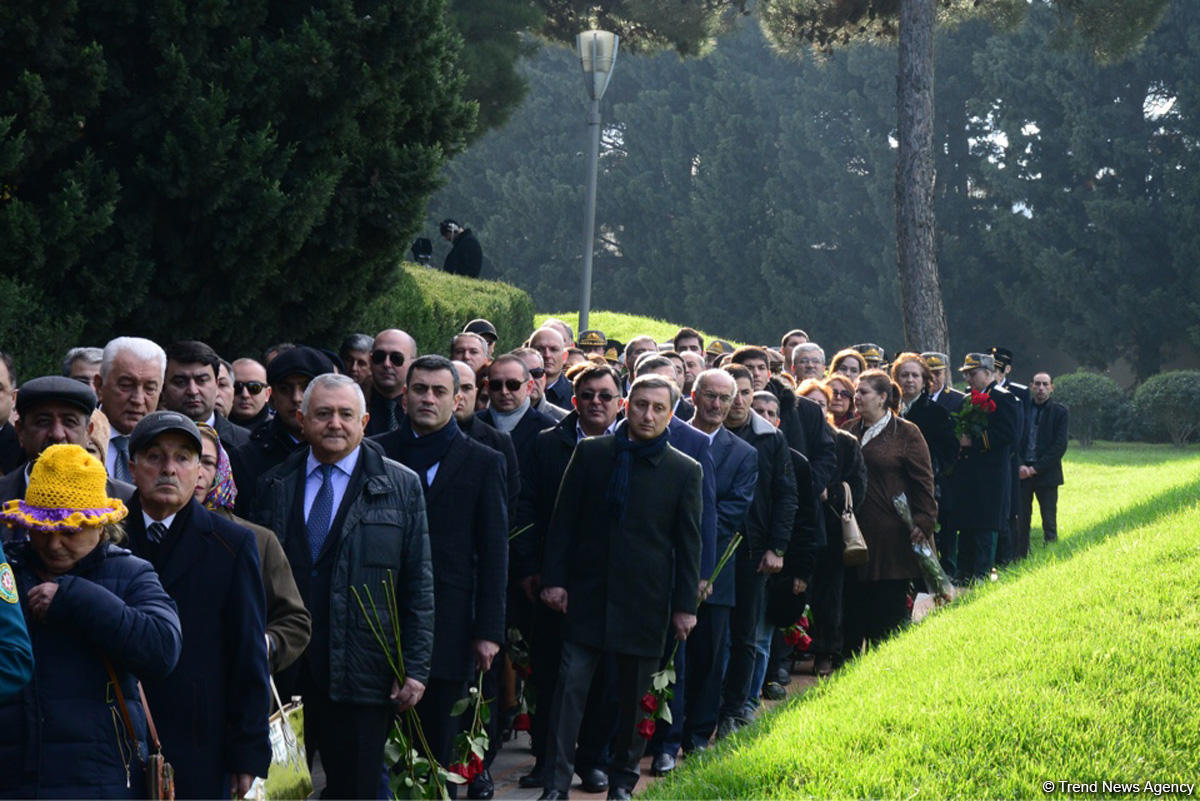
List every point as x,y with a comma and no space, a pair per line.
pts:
591,394
253,387
537,372
511,384
394,356
843,393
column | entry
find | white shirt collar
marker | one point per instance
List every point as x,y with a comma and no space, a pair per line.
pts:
346,464
166,521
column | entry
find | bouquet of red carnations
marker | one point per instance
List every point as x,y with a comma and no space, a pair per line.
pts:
972,419
796,635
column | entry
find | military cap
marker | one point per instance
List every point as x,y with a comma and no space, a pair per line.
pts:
300,360
55,388
482,327
592,339
1003,356
934,360
157,423
871,353
973,360
718,346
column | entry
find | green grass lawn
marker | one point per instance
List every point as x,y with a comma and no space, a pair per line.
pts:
1079,666
624,327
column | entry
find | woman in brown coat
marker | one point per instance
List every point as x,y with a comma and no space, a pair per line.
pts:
897,461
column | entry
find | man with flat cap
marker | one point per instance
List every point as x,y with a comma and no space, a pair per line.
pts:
52,410
211,710
486,330
980,479
288,375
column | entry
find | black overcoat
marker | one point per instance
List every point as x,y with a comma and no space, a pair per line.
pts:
982,475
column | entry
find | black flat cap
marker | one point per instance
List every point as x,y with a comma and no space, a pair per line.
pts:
300,360
482,327
156,423
55,388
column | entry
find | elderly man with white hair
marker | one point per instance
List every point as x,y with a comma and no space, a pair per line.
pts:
128,385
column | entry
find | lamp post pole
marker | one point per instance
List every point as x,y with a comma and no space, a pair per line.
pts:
597,54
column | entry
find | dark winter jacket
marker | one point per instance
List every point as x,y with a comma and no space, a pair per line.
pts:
465,257
62,737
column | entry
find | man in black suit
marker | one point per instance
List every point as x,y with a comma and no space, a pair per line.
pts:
391,353
597,402
348,519
509,407
212,709
1006,549
627,516
465,505
190,388
1042,448
476,429
981,474
52,410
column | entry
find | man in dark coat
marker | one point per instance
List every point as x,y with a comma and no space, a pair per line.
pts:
1042,448
350,519
275,440
476,429
736,471
463,483
1006,547
190,388
597,404
465,256
942,392
211,710
622,563
509,407
51,410
391,353
768,532
982,473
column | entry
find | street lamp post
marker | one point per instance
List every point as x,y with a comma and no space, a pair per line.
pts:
597,55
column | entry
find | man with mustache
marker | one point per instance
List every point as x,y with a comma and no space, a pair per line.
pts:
211,711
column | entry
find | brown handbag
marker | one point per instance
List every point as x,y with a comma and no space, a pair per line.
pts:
160,776
855,553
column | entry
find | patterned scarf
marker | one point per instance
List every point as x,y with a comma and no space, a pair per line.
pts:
223,492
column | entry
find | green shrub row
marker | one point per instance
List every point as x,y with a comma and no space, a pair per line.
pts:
433,306
1163,408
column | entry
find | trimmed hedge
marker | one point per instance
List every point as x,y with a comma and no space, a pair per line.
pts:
1168,402
432,306
1096,403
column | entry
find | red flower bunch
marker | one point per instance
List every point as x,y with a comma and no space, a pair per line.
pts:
646,728
972,419
470,745
522,722
649,703
796,635
469,769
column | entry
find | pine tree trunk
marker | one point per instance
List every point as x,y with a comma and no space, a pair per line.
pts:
916,255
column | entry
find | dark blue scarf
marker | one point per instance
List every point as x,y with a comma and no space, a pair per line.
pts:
617,493
421,453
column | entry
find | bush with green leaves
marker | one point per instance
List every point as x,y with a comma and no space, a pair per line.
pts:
1096,403
1171,403
432,306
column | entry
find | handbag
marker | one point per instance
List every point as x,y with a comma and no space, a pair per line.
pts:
160,776
855,553
288,776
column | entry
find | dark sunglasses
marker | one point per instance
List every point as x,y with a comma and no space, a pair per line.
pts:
591,394
394,356
843,393
537,372
253,387
511,384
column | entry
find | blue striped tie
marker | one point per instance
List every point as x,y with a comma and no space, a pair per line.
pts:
121,463
321,514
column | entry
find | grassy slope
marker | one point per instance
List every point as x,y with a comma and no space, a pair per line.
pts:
623,327
1080,666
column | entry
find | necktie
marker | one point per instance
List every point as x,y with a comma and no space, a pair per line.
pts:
391,420
121,463
321,514
155,532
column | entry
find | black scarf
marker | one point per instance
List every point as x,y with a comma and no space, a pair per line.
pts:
618,483
421,453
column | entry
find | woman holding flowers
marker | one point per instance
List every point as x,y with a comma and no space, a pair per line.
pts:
897,462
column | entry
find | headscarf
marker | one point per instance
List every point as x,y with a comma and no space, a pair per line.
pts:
223,492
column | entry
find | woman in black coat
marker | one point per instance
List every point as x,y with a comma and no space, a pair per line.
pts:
87,602
825,591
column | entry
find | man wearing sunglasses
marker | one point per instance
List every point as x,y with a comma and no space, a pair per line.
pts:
537,395
391,354
250,394
509,407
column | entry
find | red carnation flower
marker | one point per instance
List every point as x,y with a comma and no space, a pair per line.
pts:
649,703
460,769
804,622
990,406
908,602
521,722
803,642
646,728
475,767
792,637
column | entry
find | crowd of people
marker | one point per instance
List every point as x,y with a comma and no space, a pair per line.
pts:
558,522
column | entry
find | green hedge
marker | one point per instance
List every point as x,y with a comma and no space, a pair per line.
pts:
432,306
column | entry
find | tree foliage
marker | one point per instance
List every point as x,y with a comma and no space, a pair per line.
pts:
234,172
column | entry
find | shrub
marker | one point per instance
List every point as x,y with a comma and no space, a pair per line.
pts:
1169,401
1096,403
432,306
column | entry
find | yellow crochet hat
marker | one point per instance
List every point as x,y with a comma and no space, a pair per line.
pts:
67,491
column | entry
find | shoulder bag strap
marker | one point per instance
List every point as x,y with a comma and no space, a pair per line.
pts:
112,674
155,745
